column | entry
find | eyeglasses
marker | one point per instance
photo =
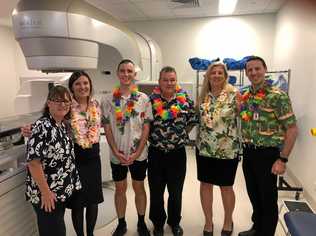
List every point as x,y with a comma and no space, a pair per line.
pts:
66,103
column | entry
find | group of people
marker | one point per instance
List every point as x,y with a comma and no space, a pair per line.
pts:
64,168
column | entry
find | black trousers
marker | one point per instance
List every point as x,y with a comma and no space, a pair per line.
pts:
166,169
51,223
262,187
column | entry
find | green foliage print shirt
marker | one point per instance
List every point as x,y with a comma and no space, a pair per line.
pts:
269,115
218,130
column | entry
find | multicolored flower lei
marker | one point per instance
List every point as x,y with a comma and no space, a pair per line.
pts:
173,111
250,104
120,116
88,135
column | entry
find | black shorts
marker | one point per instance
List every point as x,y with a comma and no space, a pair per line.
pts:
138,171
220,172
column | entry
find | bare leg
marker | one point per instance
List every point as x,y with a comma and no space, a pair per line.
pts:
206,194
120,197
140,196
228,198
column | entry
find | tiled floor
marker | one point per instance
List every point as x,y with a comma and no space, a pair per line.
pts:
193,220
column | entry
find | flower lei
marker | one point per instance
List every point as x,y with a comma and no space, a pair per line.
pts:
173,111
212,117
250,104
120,116
86,139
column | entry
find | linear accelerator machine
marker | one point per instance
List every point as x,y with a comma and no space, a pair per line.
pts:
62,36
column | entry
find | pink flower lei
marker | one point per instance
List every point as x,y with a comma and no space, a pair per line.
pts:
86,140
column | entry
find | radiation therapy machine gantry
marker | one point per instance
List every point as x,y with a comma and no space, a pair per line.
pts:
61,36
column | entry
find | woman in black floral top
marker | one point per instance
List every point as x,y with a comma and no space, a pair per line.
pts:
84,126
51,173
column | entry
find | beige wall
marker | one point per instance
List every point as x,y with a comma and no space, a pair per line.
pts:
209,38
9,81
295,49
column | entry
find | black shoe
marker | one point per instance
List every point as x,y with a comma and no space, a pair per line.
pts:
207,233
142,230
177,230
120,230
158,231
250,232
227,232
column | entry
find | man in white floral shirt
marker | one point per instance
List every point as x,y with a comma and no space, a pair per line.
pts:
126,119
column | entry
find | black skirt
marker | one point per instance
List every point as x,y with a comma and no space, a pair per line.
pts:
88,163
212,170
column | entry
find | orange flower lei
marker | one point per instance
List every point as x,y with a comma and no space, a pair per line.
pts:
82,138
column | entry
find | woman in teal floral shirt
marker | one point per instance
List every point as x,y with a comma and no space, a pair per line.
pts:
217,144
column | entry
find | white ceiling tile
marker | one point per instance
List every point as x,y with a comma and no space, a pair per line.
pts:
165,9
154,10
275,5
146,1
128,19
123,10
149,8
255,6
131,10
189,12
104,2
159,15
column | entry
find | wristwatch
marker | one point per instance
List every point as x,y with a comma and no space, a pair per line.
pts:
283,159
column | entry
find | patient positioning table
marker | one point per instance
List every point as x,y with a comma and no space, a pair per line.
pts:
300,223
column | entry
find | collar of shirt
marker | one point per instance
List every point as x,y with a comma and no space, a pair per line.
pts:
169,100
54,123
264,86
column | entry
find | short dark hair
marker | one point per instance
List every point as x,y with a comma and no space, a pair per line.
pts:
167,69
254,58
124,61
76,75
56,92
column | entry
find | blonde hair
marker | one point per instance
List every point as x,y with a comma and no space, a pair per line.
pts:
206,86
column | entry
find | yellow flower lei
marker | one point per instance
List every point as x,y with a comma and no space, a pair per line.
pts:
85,140
212,117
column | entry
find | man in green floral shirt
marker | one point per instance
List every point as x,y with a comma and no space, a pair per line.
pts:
269,133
